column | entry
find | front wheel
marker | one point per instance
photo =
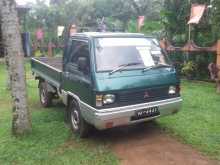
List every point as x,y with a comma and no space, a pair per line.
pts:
78,124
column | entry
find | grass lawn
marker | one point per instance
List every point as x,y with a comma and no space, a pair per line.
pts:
51,142
198,122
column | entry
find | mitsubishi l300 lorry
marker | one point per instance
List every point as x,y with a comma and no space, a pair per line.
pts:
108,80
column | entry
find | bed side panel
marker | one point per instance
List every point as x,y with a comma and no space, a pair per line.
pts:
47,72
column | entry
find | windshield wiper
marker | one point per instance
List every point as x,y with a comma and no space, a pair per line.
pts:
120,67
157,66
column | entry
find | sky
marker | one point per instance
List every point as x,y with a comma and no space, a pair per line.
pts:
24,2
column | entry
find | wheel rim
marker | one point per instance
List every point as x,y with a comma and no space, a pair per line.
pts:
43,96
75,119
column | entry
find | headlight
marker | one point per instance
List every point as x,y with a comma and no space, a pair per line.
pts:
104,99
172,90
108,99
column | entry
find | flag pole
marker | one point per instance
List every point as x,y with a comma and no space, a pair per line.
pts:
189,24
189,37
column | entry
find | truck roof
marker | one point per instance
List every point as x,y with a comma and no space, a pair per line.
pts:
108,34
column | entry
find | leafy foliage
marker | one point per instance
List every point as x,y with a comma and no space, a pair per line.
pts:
174,17
164,18
189,69
87,14
216,19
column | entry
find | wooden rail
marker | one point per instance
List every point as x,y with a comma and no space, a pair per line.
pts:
192,47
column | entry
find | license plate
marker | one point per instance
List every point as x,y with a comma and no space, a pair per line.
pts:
146,113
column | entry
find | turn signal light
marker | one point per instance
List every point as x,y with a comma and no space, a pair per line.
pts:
99,100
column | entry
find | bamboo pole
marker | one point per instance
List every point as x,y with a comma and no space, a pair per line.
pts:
189,34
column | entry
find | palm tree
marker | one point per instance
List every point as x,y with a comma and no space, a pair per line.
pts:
21,122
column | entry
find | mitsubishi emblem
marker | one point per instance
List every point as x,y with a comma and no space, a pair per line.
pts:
146,95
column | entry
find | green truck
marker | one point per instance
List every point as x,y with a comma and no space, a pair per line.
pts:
108,80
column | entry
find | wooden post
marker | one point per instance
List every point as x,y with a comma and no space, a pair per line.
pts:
50,50
218,53
218,65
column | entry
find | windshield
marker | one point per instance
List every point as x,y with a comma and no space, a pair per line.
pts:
112,53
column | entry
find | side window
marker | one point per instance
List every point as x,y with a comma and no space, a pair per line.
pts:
79,56
67,51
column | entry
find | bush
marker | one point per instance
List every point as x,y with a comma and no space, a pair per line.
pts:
189,70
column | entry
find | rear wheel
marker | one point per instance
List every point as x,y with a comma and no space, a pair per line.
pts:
77,123
45,96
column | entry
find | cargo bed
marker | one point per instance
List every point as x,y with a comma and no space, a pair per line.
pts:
49,68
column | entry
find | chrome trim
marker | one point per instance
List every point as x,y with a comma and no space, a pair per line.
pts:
51,67
130,106
136,106
122,115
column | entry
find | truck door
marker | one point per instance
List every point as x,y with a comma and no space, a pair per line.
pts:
75,79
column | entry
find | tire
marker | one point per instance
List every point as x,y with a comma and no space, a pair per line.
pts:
45,96
78,125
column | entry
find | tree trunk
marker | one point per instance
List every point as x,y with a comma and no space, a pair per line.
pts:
21,122
8,86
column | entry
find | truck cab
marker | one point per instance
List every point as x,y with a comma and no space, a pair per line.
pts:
112,79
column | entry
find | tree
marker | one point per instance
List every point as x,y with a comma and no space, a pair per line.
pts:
149,8
87,13
21,122
216,18
175,16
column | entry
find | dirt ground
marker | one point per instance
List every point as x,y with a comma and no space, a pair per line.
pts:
147,144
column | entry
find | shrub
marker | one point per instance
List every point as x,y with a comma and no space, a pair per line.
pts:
189,70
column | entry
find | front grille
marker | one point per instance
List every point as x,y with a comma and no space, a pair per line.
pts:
141,96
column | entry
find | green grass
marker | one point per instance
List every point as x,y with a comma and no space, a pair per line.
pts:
198,122
50,142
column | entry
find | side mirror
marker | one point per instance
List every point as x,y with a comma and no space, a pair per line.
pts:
82,64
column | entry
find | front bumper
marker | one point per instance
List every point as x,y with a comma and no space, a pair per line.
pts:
122,115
